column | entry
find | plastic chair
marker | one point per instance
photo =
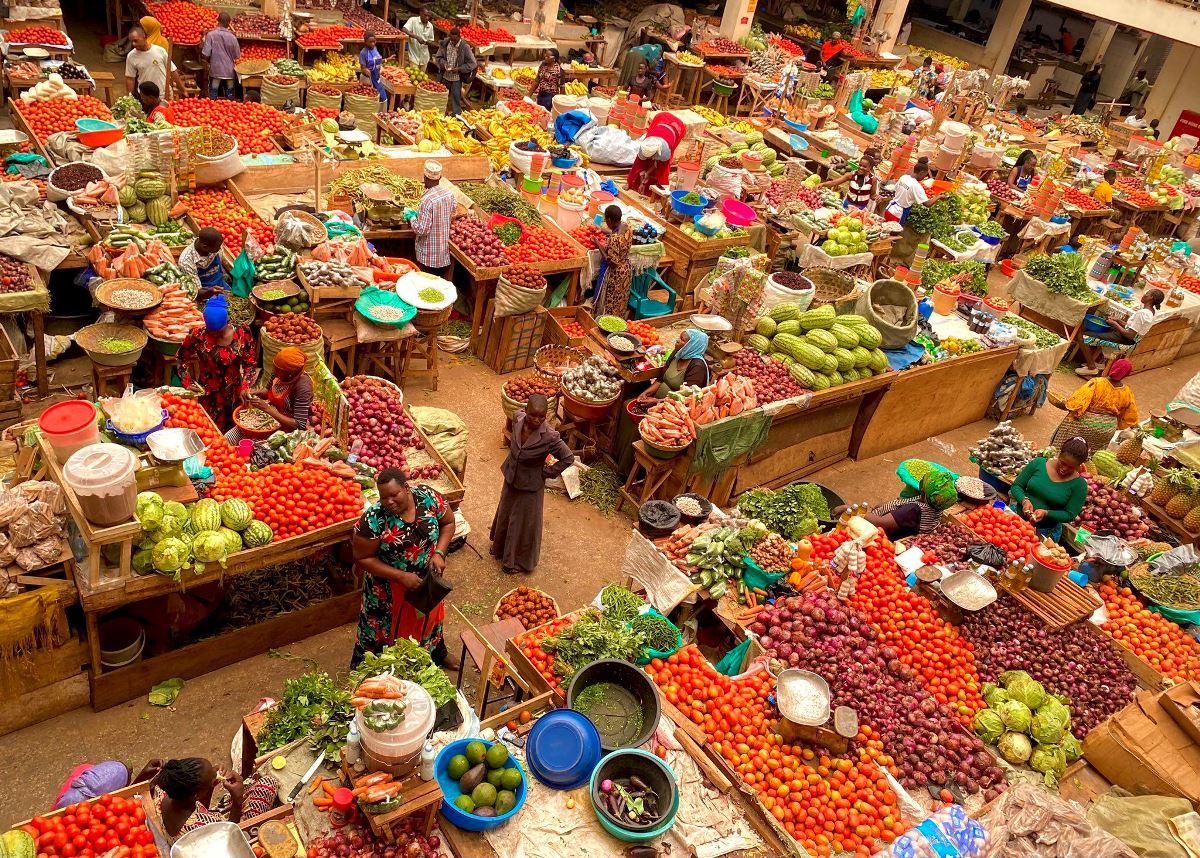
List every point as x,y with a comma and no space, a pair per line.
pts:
640,302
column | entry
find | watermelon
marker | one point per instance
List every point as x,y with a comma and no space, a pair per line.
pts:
149,189
821,317
802,375
758,342
127,196
823,340
846,338
835,378
17,844
236,514
844,358
158,210
233,540
869,337
791,326
862,357
765,327
257,533
206,515
785,311
879,361
820,381
136,213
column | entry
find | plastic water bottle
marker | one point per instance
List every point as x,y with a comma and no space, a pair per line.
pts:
428,757
355,449
353,745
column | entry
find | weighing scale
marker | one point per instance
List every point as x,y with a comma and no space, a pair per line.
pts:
163,470
802,698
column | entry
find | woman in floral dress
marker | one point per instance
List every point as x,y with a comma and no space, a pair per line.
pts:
617,275
396,541
218,359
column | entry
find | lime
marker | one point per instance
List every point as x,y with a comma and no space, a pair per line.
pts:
495,777
476,751
457,767
496,756
464,803
484,795
510,779
506,800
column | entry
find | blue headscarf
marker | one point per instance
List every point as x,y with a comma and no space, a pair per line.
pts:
216,313
695,347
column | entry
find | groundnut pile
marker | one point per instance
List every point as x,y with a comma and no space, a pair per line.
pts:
531,607
520,389
772,553
293,328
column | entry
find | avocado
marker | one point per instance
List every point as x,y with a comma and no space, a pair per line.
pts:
495,777
473,778
496,756
506,800
484,811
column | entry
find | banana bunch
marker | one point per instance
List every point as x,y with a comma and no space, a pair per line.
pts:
714,118
334,68
887,78
524,75
804,31
576,87
576,65
499,73
742,127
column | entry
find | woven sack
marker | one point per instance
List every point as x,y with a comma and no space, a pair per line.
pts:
320,99
275,95
889,294
426,100
512,300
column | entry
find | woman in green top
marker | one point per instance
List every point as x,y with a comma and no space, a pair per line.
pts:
686,366
1050,492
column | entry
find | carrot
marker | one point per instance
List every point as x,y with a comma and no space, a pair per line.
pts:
328,788
317,781
323,802
373,778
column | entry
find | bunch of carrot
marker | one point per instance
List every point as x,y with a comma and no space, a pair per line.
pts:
668,424
732,395
324,789
175,318
376,787
385,687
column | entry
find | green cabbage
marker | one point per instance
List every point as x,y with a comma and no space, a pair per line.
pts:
1053,708
1048,726
988,725
1027,691
143,561
175,509
1009,675
209,547
1015,747
1015,715
994,694
171,555
1051,761
1072,747
149,510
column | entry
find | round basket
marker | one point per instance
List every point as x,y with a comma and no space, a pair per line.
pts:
428,321
512,406
314,230
553,360
496,610
830,285
138,438
705,508
246,430
105,291
660,452
248,68
287,287
92,337
584,410
56,194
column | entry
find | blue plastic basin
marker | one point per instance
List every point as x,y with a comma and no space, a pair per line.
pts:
688,209
450,790
562,749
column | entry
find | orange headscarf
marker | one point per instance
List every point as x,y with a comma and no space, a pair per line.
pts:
289,360
153,30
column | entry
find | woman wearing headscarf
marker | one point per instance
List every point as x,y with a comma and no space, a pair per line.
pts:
288,395
517,526
905,517
1100,407
686,366
653,163
218,359
154,34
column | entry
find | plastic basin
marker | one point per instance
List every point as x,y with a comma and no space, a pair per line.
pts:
738,213
450,790
649,768
707,230
586,410
630,679
688,209
100,139
562,749
87,123
70,426
1095,324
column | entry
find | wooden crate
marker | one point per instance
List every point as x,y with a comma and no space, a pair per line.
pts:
1065,604
1161,345
508,344
556,334
9,364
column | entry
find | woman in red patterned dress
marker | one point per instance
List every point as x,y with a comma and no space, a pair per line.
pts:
218,359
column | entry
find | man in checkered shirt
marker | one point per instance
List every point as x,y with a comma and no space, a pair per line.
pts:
432,223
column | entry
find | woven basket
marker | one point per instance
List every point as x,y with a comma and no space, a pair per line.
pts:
90,338
496,610
512,406
428,321
426,100
552,360
247,68
105,290
830,284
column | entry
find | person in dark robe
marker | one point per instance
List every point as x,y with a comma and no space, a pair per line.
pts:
517,527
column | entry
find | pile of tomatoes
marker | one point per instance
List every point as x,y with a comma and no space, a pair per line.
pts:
58,114
589,235
329,37
538,245
184,23
293,499
1160,642
251,123
1190,283
262,51
37,36
92,828
940,658
531,646
573,329
516,105
187,413
1084,202
645,332
482,36
221,210
830,804
1005,530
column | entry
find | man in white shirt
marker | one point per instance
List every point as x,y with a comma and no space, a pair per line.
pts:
1128,333
420,36
146,62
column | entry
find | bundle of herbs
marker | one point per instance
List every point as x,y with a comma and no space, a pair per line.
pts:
1062,274
313,705
593,636
792,511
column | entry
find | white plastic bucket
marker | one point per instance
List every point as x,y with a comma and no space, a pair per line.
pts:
570,215
953,135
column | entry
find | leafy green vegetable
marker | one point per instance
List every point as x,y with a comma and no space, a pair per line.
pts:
988,725
939,219
1015,715
1051,761
1062,273
593,636
166,692
1026,690
620,603
1015,747
791,512
936,270
406,659
991,229
312,706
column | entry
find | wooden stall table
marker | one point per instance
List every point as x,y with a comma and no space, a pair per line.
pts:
602,75
21,124
1147,218
1085,221
683,81
34,306
15,85
396,93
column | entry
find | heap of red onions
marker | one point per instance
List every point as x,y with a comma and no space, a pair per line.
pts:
1075,661
925,740
377,419
353,843
948,541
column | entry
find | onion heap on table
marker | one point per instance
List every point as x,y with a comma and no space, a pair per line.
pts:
771,379
410,843
1109,511
377,419
1075,661
482,246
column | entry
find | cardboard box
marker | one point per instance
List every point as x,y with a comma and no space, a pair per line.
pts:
1183,704
1145,750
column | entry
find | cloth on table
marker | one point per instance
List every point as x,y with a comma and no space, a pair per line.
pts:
721,442
666,585
1032,293
981,252
370,332
907,355
1040,361
812,256
446,431
65,148
707,825
34,230
1038,229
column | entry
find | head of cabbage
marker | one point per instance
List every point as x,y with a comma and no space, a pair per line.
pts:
1048,725
149,510
1072,747
170,554
1027,691
1051,761
1009,675
993,694
1015,715
988,725
209,547
143,561
1015,747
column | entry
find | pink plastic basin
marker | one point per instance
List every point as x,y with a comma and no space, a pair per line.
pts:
737,213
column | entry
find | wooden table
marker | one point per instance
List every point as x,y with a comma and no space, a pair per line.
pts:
600,74
1147,218
683,81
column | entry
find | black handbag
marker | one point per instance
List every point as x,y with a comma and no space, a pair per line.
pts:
430,592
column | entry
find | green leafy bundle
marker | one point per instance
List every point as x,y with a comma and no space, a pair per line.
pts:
792,512
312,705
936,270
406,659
939,219
593,636
1063,274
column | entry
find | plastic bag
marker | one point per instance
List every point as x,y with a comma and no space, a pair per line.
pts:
608,145
1031,822
1141,821
949,833
36,523
11,506
43,490
8,552
40,554
134,413
988,555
